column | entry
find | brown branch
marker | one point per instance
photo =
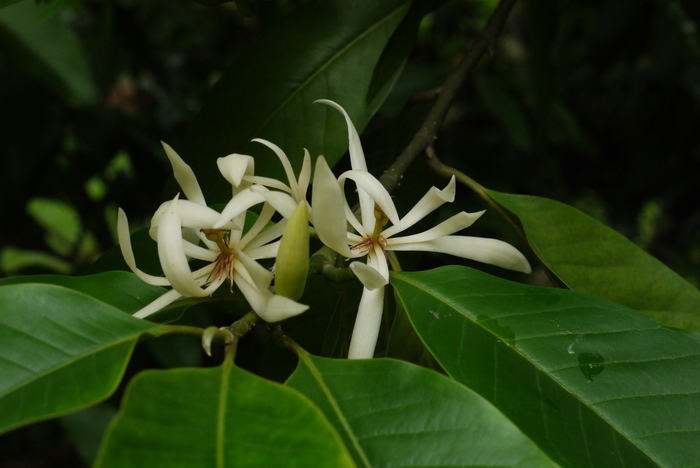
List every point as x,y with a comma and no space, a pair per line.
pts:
426,135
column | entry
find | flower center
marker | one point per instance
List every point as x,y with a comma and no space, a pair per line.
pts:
224,263
366,244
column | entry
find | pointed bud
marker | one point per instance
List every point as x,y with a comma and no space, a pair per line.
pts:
292,264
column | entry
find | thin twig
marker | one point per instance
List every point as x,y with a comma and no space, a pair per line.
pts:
426,135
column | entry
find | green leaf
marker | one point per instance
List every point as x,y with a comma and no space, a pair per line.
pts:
221,416
324,49
592,258
47,48
592,382
392,413
61,351
118,289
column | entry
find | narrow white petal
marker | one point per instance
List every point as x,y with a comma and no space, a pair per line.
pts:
282,202
367,323
304,178
192,216
263,219
200,253
128,252
269,182
491,251
449,226
376,191
368,276
280,308
357,155
238,205
376,258
161,302
328,205
265,251
268,306
235,167
267,235
283,159
261,276
432,200
172,255
184,176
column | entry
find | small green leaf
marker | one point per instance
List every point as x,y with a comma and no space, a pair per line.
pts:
392,413
592,258
61,351
592,382
218,417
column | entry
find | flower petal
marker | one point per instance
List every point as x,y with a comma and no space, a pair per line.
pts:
367,323
172,255
328,204
284,160
184,176
368,276
280,201
304,178
449,226
237,206
235,167
158,304
432,200
357,155
192,216
268,182
378,194
128,252
491,251
261,276
268,306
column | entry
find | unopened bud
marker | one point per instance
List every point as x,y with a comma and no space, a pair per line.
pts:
292,264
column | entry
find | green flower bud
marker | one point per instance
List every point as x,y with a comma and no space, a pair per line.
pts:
292,264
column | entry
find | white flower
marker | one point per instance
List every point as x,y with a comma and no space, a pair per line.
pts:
373,237
230,254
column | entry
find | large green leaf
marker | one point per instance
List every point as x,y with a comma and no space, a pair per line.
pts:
119,289
592,258
592,382
49,50
218,417
324,49
60,351
392,413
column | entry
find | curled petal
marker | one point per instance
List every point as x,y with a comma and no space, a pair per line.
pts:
367,323
192,216
449,226
280,201
357,155
235,167
260,276
184,175
128,252
368,276
284,160
172,255
377,193
432,200
328,205
269,307
491,251
238,205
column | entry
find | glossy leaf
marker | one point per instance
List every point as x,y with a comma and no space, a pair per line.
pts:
61,351
592,382
48,49
119,289
323,50
221,416
592,258
391,413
